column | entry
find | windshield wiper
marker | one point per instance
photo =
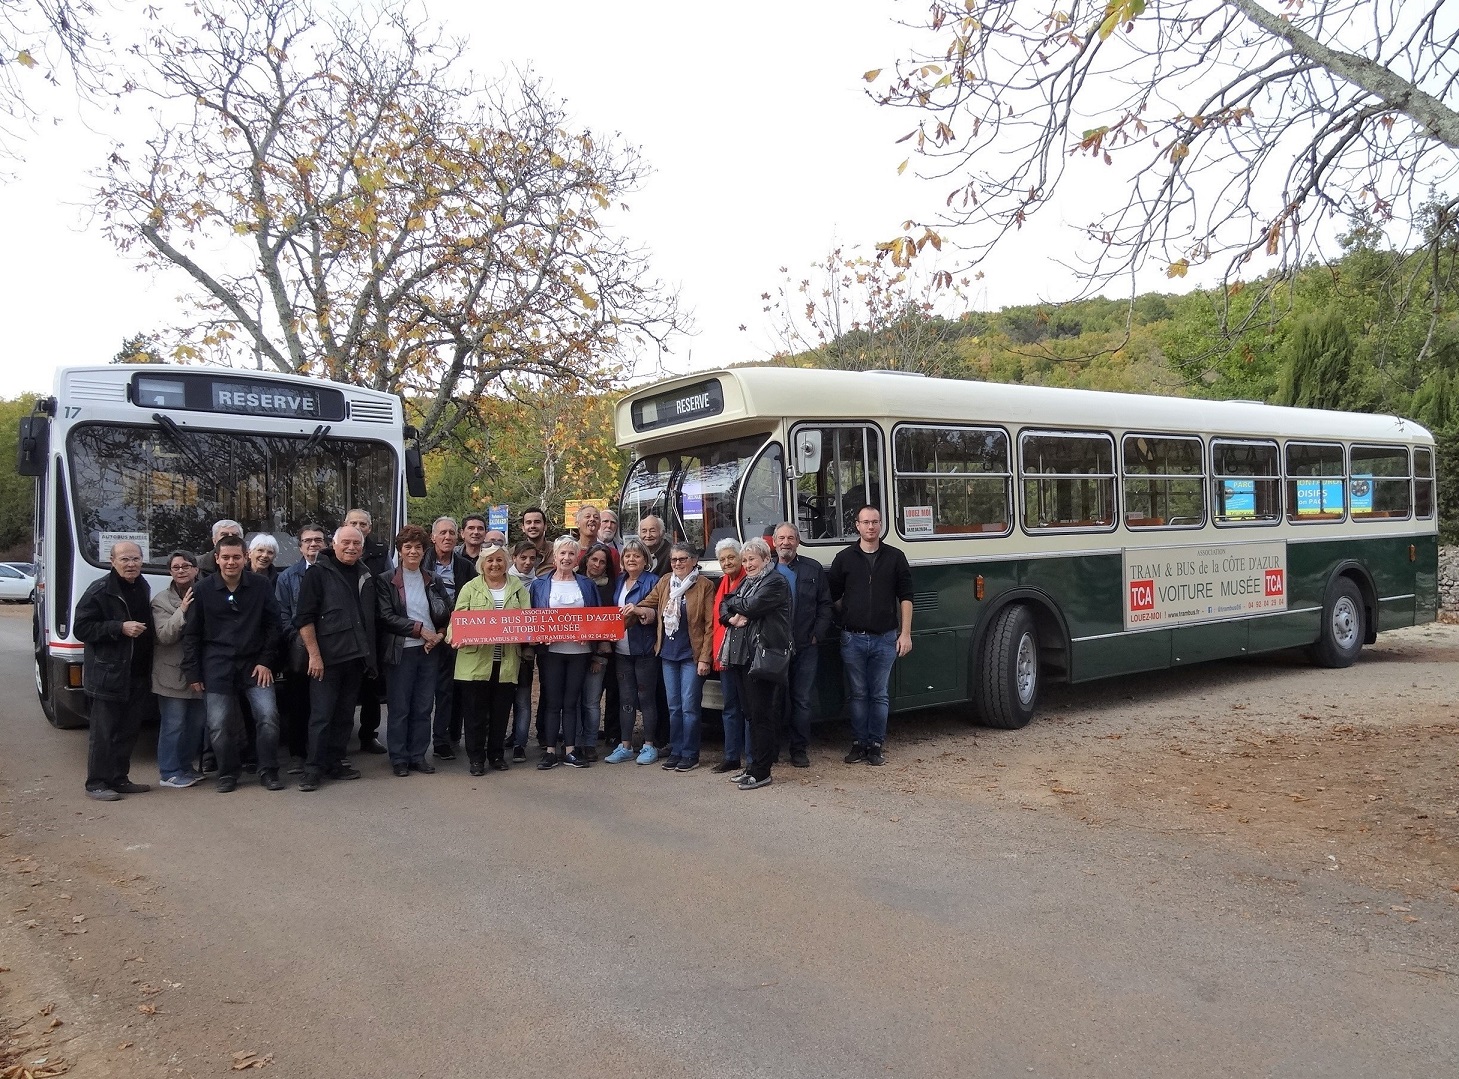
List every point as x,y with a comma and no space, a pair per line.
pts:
179,439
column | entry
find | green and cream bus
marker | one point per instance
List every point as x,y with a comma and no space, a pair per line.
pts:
1055,535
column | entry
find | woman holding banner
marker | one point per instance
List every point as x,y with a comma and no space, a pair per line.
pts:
636,665
487,673
683,603
563,666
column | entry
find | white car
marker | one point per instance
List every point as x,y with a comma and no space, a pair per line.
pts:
15,587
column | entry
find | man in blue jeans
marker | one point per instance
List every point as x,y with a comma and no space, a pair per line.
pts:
230,640
872,583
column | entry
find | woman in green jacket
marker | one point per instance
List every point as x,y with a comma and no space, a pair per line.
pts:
487,673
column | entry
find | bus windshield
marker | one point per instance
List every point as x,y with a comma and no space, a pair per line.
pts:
164,487
696,490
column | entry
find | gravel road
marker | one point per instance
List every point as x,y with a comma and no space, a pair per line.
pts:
1244,869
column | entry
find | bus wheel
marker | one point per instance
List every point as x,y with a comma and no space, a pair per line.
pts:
1008,670
1342,628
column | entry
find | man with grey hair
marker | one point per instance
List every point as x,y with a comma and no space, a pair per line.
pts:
651,531
114,620
376,558
208,562
608,531
810,621
335,618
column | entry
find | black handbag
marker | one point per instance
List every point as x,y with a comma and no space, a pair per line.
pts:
770,664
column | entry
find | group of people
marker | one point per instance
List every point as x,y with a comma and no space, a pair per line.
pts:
259,669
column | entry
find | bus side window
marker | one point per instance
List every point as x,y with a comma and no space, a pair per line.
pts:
1068,479
1315,481
847,477
1423,482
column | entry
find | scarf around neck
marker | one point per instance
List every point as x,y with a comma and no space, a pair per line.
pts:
677,588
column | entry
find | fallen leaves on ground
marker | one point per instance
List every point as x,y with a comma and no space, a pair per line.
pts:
247,1058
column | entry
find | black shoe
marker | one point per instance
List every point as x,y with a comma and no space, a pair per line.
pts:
210,763
444,752
227,784
310,780
590,752
519,754
478,768
857,754
344,771
126,786
799,759
873,755
424,767
103,794
750,783
500,765
575,759
549,760
687,764
371,745
668,764
269,780
725,766
400,769
251,767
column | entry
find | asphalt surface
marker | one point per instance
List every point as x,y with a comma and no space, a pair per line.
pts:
622,921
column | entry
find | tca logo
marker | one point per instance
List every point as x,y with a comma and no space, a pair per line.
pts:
1142,595
1275,583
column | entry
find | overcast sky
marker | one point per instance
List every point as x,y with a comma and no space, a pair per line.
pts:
766,150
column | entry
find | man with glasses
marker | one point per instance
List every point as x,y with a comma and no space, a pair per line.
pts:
336,622
376,559
293,690
229,640
114,620
872,583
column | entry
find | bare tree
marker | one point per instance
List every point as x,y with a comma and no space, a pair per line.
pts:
347,204
39,38
1238,132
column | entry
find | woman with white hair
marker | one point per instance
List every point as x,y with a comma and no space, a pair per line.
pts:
262,550
563,666
736,729
487,674
758,617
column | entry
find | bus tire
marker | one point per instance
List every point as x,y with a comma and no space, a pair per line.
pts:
1340,637
1008,670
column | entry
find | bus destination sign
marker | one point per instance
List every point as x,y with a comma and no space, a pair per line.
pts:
679,406
237,396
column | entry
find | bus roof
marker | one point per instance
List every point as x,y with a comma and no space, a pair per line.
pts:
815,393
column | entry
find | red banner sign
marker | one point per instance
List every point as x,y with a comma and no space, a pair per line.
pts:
536,626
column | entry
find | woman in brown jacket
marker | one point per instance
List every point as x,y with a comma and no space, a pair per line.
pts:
683,604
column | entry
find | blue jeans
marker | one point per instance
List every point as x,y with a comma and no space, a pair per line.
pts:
592,710
522,706
736,722
798,696
225,727
638,690
180,736
411,686
868,658
682,686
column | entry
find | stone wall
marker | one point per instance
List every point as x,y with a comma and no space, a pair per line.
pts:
1449,580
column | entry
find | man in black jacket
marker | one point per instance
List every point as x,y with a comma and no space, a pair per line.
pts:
873,584
208,563
810,621
376,559
230,642
335,618
451,571
114,620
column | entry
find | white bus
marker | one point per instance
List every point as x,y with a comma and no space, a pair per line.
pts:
1053,533
154,454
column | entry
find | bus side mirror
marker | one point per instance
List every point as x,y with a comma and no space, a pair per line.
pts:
415,473
34,445
807,453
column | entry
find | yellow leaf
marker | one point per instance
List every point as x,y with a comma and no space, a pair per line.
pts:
903,167
870,76
1179,152
25,59
1178,269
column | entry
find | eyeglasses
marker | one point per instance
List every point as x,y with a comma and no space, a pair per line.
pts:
681,558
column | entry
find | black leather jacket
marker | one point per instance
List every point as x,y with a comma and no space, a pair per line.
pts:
107,663
765,601
391,621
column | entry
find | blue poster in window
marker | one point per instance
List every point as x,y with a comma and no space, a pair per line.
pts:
1362,494
1318,497
1239,497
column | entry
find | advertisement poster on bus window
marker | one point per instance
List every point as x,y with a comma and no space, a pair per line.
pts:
1174,586
108,540
917,521
1238,498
